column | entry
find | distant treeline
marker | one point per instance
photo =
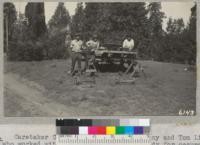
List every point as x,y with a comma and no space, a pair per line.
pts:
31,39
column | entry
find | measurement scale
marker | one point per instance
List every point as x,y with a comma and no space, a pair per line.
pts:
102,140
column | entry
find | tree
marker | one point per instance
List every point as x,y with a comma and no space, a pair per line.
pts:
111,21
93,19
61,18
170,27
58,26
78,20
155,29
174,40
155,19
191,35
175,26
91,13
180,26
181,40
133,20
34,12
114,20
36,19
192,25
20,29
10,16
19,50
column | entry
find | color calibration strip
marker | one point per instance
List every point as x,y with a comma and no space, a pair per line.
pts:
102,130
102,127
102,122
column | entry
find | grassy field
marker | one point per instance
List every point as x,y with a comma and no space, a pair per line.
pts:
45,89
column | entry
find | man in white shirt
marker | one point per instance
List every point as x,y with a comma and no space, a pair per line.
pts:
76,46
128,43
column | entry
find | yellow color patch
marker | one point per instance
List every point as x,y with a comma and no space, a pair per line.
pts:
110,130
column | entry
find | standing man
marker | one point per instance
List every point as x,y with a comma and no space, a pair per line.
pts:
92,45
128,43
76,46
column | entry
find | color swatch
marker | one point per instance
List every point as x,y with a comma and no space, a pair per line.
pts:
102,127
110,130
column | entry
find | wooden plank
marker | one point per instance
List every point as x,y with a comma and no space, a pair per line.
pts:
91,71
136,69
129,81
115,52
128,69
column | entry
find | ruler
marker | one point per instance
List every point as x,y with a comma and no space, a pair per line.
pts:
102,140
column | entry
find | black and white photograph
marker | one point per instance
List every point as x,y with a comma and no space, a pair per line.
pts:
99,58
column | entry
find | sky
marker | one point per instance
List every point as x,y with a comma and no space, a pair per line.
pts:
171,9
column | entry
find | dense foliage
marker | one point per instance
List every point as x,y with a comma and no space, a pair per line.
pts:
61,17
36,19
111,22
58,26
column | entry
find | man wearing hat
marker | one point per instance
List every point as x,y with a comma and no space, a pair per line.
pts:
128,43
76,46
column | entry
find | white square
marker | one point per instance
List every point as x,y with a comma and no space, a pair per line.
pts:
144,122
134,122
124,122
83,130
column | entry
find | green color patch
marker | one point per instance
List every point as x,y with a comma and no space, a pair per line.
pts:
120,130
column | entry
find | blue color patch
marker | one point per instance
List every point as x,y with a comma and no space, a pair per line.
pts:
129,130
138,130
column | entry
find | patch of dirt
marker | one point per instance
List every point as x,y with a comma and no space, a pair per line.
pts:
45,89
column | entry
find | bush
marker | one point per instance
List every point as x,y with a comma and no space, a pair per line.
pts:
43,48
54,47
24,51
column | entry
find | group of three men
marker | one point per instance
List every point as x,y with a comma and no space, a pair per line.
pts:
78,47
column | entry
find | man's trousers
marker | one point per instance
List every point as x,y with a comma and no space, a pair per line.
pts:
76,58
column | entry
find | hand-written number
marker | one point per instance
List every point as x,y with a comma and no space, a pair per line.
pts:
186,112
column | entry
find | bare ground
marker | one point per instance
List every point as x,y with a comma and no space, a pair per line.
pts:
45,89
